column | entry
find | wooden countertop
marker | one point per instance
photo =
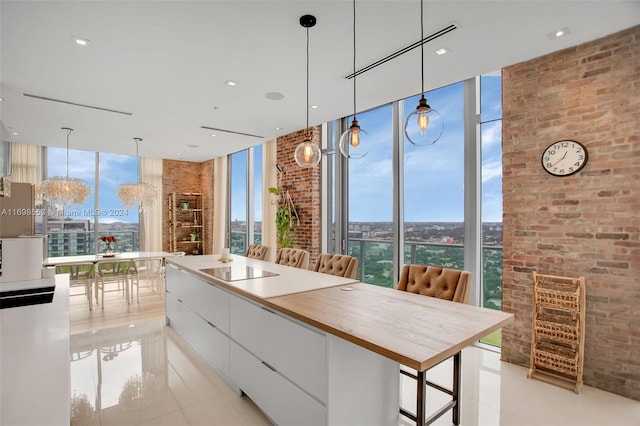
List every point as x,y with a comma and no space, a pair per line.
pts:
414,330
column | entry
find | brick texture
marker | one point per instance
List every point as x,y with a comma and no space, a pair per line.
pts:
184,176
587,224
305,190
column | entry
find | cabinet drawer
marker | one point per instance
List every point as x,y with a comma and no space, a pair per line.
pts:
212,304
283,402
180,318
297,352
212,345
180,284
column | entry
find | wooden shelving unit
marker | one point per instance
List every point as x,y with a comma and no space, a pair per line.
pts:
557,346
186,222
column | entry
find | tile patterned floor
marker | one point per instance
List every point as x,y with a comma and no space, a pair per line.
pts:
144,374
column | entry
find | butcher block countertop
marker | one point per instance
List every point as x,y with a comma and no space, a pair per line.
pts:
413,330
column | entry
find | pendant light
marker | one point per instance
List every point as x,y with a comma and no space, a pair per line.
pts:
140,193
424,126
351,139
308,153
64,190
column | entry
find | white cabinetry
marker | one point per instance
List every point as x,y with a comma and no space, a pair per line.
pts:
295,373
292,349
199,312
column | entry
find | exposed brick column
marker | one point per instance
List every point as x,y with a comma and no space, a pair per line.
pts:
185,176
305,190
585,224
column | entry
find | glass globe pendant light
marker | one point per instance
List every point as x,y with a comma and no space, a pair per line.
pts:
140,193
423,126
64,190
308,153
351,139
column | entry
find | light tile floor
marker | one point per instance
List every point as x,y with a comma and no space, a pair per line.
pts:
145,375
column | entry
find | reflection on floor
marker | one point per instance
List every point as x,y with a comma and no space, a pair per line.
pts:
144,374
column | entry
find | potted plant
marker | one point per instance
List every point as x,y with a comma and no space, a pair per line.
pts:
287,220
194,235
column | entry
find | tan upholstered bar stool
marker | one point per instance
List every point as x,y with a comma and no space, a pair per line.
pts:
297,258
340,265
257,251
442,283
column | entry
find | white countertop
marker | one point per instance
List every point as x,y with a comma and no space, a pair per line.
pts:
289,280
34,358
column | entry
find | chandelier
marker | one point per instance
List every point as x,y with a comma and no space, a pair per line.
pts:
64,190
137,194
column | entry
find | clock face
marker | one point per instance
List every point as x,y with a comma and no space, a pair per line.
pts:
564,158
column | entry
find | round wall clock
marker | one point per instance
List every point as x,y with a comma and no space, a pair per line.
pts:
564,158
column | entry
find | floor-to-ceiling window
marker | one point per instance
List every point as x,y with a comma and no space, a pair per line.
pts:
425,188
491,139
238,193
245,193
370,187
75,230
433,191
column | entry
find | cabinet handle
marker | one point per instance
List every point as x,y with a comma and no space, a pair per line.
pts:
268,366
267,309
179,300
211,324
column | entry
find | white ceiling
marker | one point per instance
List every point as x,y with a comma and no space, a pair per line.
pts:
166,62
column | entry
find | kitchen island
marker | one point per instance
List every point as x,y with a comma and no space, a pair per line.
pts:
311,348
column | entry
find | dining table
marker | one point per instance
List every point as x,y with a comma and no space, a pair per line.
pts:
96,259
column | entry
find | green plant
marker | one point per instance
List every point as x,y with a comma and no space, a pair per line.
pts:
286,219
194,234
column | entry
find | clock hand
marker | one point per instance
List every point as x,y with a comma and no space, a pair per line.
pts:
565,154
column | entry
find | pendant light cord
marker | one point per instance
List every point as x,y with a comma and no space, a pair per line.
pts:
69,130
354,59
422,44
307,81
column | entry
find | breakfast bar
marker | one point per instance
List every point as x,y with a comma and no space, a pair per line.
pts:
311,348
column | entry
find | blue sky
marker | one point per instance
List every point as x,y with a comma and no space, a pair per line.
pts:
434,175
115,170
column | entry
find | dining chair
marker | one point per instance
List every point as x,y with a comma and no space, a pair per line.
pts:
340,265
257,251
112,272
80,275
298,258
150,271
442,283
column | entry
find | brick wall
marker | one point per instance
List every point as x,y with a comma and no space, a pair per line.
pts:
305,190
184,176
587,224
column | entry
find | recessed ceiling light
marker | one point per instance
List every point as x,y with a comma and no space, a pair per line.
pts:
443,50
213,135
80,41
278,128
191,145
274,96
1,99
314,107
559,33
230,83
15,133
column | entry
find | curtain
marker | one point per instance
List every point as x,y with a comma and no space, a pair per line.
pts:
27,163
268,209
220,184
151,217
